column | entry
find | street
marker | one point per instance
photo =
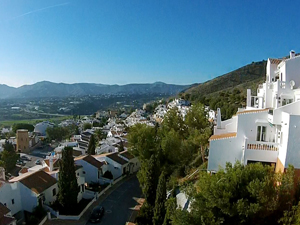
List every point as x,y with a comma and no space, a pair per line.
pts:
118,203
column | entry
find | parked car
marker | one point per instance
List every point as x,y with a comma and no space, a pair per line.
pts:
97,214
20,162
38,162
26,158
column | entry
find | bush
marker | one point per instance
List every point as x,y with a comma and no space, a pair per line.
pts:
108,175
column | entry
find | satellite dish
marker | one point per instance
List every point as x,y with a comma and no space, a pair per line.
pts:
292,84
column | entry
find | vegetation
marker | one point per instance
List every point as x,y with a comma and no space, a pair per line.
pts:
161,195
171,148
87,126
228,91
108,175
26,126
67,182
252,194
60,133
8,157
92,146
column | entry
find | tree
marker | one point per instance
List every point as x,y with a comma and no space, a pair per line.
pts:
26,126
161,195
121,147
142,140
170,209
100,135
9,156
87,126
67,182
108,175
57,133
92,146
251,194
148,178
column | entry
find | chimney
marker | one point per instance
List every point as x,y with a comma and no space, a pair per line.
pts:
218,118
248,98
292,54
51,162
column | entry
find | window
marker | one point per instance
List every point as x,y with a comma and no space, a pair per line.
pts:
54,191
12,201
4,204
83,172
261,133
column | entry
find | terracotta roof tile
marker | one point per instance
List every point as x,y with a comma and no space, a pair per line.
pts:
3,210
115,157
23,170
38,181
222,136
275,61
91,160
127,155
6,220
252,111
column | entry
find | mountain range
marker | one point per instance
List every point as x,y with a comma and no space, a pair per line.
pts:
50,89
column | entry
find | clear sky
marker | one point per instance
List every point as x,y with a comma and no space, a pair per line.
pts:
139,41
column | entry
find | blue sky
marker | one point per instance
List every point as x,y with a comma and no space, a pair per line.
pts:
134,41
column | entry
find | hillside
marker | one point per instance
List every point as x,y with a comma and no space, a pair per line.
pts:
49,89
244,77
228,91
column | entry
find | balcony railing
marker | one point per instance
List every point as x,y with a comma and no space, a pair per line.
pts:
262,146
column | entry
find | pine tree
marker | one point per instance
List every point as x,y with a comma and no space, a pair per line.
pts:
92,146
67,183
161,195
8,156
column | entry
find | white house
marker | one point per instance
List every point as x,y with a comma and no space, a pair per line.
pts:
268,129
115,164
36,188
134,163
92,168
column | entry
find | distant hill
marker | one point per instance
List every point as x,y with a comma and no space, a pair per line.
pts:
49,89
248,76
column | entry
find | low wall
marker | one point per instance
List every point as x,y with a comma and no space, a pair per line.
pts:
43,221
69,217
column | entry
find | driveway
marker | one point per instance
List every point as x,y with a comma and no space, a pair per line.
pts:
118,202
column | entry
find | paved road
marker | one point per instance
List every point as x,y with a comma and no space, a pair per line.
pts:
118,203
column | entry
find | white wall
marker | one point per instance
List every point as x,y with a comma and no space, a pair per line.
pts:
293,143
222,151
115,168
91,172
261,155
49,198
292,68
29,198
9,191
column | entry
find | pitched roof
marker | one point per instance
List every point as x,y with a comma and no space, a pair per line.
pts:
127,155
275,61
91,160
115,157
222,136
24,170
6,220
38,181
3,210
55,162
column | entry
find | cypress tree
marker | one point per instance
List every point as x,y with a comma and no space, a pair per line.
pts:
67,183
150,180
92,146
161,195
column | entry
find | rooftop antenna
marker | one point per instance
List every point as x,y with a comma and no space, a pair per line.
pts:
292,84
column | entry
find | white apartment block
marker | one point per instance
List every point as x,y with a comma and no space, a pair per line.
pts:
268,129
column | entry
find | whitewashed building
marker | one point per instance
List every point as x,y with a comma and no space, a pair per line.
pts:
268,129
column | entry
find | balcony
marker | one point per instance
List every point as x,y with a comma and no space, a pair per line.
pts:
260,151
269,146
